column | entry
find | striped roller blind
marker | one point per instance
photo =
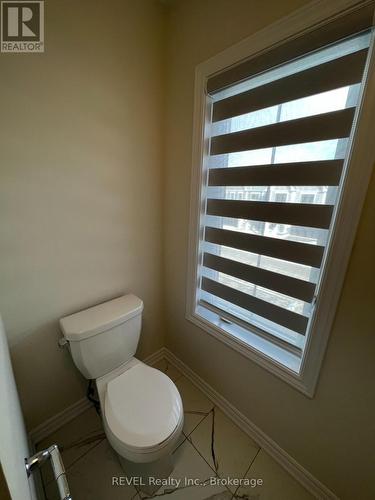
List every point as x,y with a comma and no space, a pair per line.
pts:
278,141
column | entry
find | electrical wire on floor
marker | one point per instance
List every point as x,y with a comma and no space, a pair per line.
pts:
92,396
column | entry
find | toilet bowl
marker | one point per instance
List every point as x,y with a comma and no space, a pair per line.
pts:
141,407
142,412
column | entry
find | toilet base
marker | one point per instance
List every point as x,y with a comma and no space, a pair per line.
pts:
149,474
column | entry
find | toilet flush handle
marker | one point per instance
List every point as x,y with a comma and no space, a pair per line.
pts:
62,342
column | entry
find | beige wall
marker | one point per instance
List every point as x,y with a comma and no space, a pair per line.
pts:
80,185
81,177
331,435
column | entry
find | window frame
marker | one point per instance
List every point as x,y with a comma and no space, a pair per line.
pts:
360,159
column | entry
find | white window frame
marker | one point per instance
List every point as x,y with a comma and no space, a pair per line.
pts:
348,211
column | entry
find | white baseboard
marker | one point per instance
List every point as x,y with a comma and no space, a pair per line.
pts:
54,423
304,477
156,356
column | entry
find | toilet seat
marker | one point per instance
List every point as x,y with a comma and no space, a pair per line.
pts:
143,411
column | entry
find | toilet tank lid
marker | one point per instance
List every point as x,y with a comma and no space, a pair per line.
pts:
97,319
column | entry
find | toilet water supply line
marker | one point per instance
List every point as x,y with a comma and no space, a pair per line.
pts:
52,453
90,389
90,396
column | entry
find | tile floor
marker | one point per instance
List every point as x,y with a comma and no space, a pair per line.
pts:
211,449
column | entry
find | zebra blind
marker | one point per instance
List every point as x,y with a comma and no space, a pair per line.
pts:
278,142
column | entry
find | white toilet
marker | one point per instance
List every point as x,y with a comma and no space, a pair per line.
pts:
141,407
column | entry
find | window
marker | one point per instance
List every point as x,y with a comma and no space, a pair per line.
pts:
281,197
276,151
307,198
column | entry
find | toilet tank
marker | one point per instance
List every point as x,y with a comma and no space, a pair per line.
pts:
105,336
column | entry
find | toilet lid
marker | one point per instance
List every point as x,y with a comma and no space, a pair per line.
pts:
142,407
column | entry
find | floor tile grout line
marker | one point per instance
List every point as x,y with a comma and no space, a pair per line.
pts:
169,492
178,377
81,442
213,454
247,471
77,459
187,437
215,471
168,364
198,424
205,416
200,454
182,442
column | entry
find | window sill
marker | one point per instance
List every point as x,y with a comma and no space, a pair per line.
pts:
273,358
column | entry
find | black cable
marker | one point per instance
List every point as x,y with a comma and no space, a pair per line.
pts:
91,393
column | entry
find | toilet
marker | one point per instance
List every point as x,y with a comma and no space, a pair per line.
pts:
141,407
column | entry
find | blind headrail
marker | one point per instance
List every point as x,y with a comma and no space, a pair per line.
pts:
347,23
